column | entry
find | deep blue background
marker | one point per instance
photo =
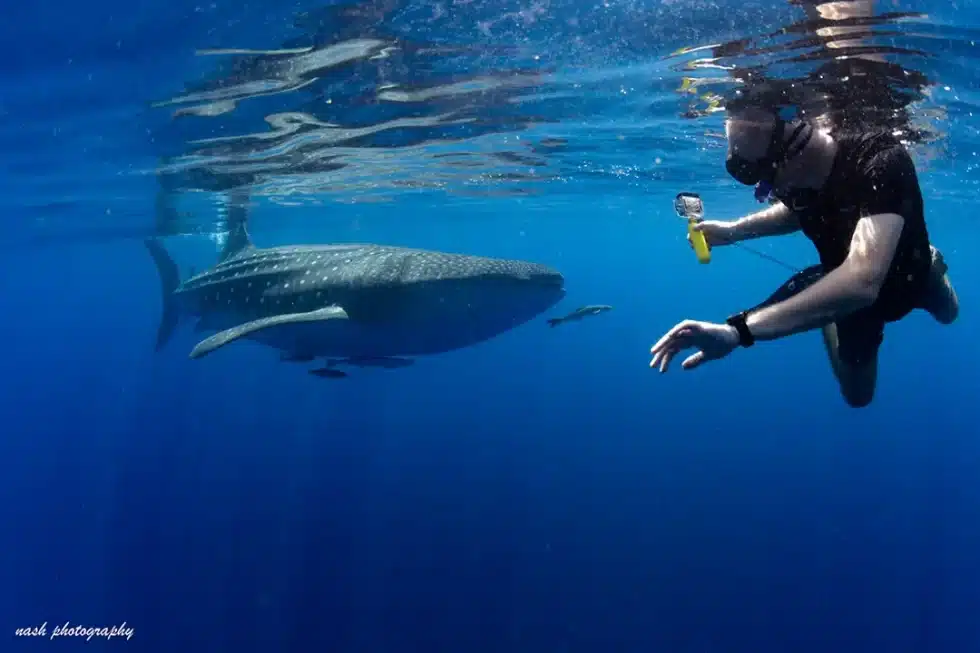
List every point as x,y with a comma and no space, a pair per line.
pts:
541,491
544,491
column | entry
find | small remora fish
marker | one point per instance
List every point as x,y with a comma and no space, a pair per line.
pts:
579,313
356,302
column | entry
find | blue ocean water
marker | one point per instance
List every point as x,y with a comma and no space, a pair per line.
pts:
545,490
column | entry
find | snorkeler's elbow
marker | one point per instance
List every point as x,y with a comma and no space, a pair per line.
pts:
864,283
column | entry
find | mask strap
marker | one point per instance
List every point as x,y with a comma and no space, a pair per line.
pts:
792,147
775,150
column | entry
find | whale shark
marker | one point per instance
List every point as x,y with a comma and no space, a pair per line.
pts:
358,302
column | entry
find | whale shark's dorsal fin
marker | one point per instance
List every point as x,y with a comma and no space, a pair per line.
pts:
236,220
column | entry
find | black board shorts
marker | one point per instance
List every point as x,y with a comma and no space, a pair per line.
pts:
860,334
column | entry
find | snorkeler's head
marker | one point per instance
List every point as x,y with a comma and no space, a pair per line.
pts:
758,145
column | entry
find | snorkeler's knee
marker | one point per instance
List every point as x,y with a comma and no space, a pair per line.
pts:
857,385
949,313
946,303
858,398
948,318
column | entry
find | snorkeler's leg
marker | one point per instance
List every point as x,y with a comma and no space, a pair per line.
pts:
853,353
855,362
940,299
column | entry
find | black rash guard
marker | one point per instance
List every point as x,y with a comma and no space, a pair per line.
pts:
872,173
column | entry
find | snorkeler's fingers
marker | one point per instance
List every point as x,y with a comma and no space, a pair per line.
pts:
693,360
659,358
662,359
671,335
655,361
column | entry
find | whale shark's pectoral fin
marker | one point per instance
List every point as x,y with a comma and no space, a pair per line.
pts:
221,339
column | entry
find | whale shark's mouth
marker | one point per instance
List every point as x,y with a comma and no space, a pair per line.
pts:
539,279
546,279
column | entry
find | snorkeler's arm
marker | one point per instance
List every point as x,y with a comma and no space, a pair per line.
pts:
851,286
883,191
777,220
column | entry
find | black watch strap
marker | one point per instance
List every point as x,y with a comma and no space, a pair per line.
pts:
745,337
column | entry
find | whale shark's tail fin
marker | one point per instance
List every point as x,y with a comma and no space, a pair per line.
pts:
235,216
169,280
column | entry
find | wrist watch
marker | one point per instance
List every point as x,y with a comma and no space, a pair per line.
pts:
745,337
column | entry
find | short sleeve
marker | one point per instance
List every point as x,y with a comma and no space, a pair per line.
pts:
889,183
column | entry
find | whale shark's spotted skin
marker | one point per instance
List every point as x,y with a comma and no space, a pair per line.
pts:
392,301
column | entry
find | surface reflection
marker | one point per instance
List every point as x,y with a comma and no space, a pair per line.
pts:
371,99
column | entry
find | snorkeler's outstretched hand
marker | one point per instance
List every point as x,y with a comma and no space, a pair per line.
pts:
713,341
715,232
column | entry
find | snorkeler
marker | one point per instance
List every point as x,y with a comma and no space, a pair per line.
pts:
857,198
